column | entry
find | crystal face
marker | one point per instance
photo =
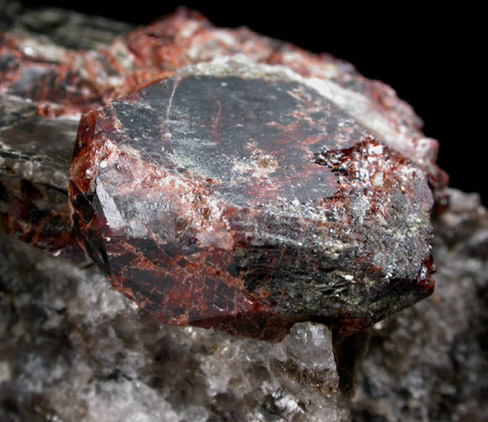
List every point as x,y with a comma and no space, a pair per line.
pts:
246,204
258,184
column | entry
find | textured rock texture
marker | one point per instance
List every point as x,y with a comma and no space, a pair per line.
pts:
248,202
35,152
73,349
35,155
74,80
323,214
430,362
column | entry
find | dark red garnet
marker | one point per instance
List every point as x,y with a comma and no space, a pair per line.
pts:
246,205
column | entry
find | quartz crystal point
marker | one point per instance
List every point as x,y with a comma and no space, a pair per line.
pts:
229,200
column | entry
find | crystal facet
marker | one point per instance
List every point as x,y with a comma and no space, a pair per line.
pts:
246,204
256,185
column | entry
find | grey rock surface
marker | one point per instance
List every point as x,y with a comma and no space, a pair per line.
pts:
430,362
59,27
73,349
35,155
34,148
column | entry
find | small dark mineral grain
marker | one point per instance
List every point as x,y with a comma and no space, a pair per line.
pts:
247,203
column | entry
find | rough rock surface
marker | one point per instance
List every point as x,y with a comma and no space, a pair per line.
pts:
248,202
430,362
73,349
364,165
75,80
81,61
35,154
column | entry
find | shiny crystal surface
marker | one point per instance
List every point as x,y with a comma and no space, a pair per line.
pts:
245,204
351,248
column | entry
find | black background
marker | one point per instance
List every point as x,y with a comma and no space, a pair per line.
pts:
432,56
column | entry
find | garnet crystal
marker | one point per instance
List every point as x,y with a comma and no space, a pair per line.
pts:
246,203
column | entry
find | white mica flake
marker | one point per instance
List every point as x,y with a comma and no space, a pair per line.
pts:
376,149
363,174
37,47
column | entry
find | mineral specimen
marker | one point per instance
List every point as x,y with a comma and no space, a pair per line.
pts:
73,349
245,203
430,362
35,156
35,152
274,185
292,188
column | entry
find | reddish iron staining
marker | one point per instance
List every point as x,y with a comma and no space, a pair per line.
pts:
156,51
38,217
253,226
57,87
282,208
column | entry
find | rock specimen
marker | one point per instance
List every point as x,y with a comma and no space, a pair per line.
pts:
290,188
35,152
156,51
73,349
35,156
247,202
297,187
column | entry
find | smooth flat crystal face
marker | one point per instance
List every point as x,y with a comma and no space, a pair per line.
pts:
236,135
248,204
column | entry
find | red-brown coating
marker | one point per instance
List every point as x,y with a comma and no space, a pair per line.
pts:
263,220
374,176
